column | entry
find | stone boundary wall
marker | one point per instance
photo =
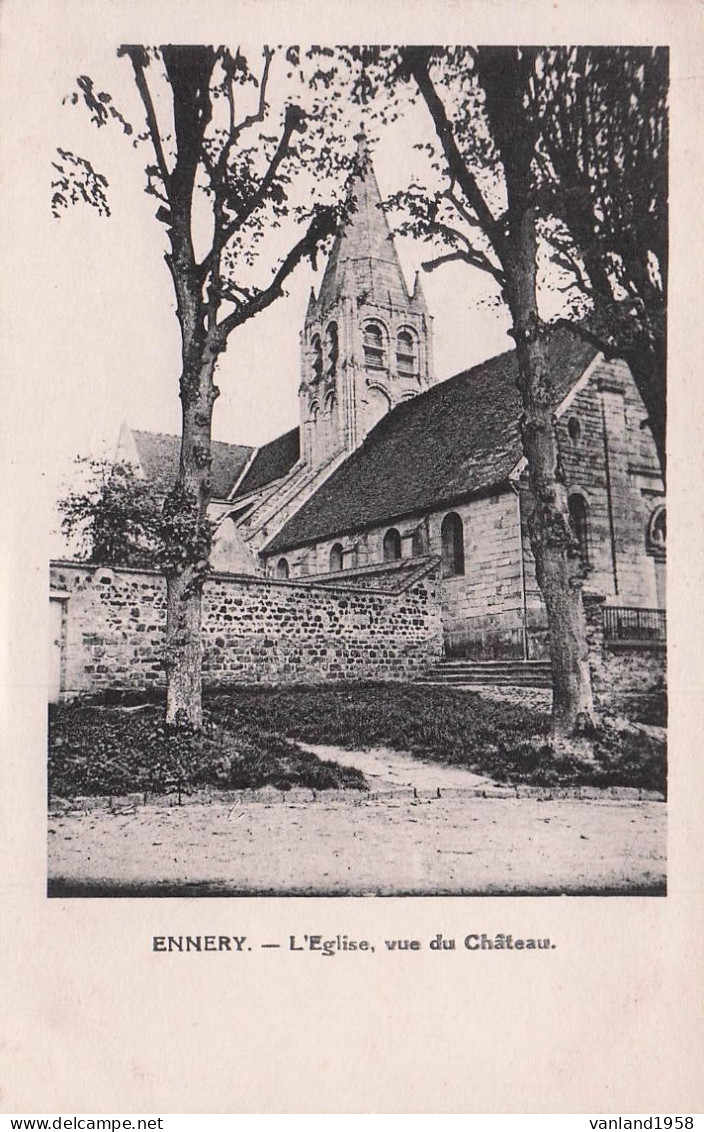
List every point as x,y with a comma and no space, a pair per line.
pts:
255,630
622,669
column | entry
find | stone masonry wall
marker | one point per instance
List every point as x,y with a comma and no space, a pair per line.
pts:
620,668
255,630
483,608
607,458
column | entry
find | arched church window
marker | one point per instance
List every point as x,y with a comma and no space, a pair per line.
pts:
656,537
332,345
316,347
406,353
579,521
452,545
374,346
656,546
282,570
392,545
314,411
336,557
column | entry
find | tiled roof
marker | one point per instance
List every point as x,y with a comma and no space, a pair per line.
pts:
459,437
159,457
272,461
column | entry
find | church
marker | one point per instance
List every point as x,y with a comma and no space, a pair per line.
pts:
388,464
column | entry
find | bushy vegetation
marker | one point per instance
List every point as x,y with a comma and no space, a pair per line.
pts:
642,707
112,516
115,750
506,742
250,741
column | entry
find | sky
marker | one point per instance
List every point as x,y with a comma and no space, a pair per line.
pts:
92,334
110,351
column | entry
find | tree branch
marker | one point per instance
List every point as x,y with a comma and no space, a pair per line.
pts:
293,122
140,60
323,224
457,204
471,256
258,116
416,61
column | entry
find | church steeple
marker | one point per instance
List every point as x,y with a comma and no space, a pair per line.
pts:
366,341
363,259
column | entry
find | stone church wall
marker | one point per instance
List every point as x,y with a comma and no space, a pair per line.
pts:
255,630
614,465
483,608
607,459
610,461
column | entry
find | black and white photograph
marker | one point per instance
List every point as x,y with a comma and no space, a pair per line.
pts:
362,581
351,691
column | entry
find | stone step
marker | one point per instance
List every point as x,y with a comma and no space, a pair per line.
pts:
494,669
490,665
508,681
517,673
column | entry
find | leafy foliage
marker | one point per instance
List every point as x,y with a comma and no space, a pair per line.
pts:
114,516
77,181
602,181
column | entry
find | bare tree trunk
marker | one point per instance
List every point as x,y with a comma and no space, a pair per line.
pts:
505,75
188,540
558,570
557,561
184,705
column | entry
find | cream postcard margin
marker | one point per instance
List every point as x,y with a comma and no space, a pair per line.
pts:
93,1021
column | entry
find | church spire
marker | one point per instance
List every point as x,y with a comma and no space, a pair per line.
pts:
363,256
366,343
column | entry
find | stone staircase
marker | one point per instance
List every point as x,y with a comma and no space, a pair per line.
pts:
517,673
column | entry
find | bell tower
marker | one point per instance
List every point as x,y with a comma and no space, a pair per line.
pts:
366,342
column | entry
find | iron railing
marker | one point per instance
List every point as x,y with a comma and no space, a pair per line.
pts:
634,626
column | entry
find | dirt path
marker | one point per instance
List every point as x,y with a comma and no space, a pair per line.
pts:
346,843
387,771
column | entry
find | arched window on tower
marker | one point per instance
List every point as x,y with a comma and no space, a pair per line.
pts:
579,520
332,349
282,570
452,545
656,546
406,353
392,545
375,353
336,557
316,347
656,538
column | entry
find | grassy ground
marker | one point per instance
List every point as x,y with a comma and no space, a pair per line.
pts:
507,742
124,750
250,741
